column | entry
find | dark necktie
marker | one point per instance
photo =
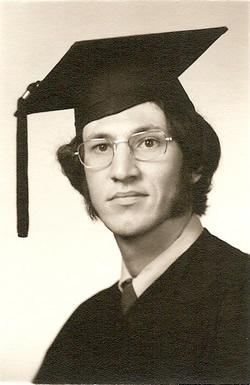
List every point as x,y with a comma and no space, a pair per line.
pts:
128,295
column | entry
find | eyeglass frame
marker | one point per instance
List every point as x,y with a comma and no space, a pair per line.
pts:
114,147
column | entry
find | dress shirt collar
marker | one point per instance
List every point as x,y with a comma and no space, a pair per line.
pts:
156,268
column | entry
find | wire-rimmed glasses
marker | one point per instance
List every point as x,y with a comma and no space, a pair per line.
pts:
144,146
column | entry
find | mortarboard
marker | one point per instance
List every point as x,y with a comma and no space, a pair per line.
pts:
103,77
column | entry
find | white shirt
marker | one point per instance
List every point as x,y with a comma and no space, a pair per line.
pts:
160,264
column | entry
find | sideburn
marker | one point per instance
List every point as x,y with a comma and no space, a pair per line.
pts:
184,197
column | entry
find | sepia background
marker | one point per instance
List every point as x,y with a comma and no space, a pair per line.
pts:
66,257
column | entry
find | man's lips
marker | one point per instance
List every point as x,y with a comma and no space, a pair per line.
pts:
127,194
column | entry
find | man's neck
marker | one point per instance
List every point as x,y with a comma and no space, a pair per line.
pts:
140,250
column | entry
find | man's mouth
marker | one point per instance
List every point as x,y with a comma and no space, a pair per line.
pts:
127,194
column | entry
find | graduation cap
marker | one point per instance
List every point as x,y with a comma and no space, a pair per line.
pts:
106,76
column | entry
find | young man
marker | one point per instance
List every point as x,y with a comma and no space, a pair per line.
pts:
143,159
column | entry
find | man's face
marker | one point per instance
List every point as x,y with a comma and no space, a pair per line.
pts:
130,196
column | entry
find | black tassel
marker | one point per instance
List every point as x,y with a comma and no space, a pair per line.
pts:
22,164
22,170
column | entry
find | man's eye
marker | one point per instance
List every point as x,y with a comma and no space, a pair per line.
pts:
100,147
149,143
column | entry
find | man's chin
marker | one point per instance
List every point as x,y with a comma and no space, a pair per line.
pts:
127,230
135,230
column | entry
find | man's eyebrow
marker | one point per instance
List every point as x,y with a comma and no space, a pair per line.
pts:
99,135
105,135
150,127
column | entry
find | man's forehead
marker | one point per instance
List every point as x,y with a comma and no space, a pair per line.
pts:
143,116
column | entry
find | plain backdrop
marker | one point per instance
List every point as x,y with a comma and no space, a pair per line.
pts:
66,257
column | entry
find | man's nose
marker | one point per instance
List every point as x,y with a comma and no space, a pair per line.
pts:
124,166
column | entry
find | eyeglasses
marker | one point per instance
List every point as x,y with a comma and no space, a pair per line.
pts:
144,146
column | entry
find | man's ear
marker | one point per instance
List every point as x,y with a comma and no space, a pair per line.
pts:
196,175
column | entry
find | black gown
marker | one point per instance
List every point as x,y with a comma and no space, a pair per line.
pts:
189,326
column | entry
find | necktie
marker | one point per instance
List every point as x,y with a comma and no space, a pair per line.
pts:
128,295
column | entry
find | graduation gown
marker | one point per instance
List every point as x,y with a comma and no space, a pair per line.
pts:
189,326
